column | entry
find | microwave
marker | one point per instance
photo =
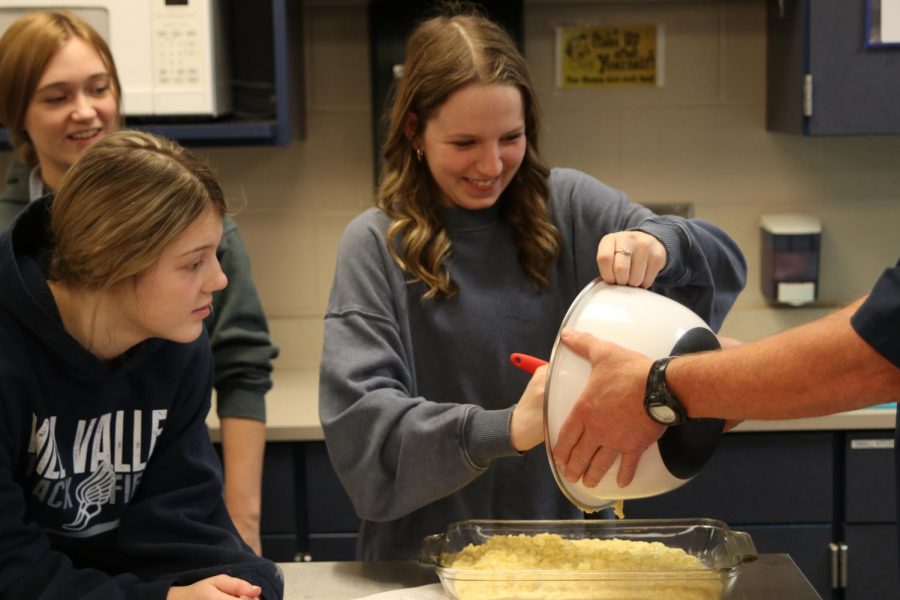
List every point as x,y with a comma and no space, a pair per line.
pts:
170,54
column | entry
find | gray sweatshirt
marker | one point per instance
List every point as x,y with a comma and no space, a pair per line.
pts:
238,332
416,397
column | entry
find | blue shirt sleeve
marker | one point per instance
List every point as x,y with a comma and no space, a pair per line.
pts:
878,319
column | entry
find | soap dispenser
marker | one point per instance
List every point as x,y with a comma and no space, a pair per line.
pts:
790,258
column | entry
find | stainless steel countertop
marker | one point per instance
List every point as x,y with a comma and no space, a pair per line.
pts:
771,576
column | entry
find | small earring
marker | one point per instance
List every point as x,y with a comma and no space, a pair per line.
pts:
419,154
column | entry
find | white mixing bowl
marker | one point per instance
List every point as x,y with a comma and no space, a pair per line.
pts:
655,326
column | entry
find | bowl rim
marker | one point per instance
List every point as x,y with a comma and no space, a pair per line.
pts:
561,483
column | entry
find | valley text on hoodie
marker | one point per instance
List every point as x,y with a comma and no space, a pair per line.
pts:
109,484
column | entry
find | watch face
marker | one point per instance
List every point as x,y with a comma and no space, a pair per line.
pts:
663,414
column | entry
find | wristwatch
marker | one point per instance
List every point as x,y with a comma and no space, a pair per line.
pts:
661,405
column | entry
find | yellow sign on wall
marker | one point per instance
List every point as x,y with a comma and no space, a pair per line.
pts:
603,57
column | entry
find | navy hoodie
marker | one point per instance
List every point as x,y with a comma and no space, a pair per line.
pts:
109,484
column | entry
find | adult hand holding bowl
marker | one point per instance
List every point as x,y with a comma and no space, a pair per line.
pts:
605,421
586,432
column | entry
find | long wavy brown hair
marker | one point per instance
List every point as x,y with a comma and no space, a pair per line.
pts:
443,54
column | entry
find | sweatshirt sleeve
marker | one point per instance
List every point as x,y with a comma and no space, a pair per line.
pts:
705,270
176,530
877,321
393,450
239,335
15,196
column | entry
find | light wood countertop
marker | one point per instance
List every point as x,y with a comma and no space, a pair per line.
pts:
293,416
292,408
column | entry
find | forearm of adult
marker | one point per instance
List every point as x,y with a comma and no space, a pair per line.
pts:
816,369
243,448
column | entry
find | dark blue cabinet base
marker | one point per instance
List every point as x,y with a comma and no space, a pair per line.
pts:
871,562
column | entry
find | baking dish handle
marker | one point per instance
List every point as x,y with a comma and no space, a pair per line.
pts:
745,550
430,554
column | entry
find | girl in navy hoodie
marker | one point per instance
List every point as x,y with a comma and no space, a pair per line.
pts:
60,93
109,485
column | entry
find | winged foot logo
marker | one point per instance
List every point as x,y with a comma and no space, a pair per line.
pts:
101,467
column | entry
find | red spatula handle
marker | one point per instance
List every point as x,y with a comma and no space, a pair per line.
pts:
525,362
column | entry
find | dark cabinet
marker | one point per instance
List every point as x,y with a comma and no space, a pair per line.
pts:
331,522
871,561
778,487
755,478
280,511
306,515
283,507
869,555
809,544
821,77
827,499
870,495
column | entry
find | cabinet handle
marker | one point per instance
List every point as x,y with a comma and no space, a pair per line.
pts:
808,95
834,550
844,557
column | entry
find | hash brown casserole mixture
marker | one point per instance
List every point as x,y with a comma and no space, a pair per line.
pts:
509,567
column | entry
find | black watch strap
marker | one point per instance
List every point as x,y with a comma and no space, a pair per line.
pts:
661,405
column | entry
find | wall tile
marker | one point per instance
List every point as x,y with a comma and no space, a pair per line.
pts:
300,341
284,261
585,139
743,73
337,58
331,169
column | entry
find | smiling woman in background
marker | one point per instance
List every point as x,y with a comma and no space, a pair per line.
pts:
475,250
59,94
109,485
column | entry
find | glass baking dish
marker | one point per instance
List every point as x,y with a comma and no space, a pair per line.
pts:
719,553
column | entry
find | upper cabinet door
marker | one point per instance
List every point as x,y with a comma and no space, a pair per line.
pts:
822,78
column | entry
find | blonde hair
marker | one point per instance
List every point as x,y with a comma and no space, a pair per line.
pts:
443,54
26,49
126,198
